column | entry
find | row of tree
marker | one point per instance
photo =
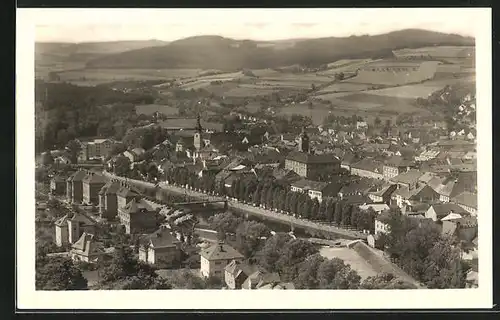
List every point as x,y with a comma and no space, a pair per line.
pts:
273,195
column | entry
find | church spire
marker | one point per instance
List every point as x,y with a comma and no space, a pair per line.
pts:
198,124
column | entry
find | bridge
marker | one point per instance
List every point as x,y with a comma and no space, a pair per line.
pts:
200,202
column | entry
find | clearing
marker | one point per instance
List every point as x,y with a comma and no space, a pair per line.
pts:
149,109
350,257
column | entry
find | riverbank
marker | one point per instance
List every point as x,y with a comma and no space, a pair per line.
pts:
315,228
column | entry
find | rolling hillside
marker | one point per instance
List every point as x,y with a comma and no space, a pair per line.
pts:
216,52
61,52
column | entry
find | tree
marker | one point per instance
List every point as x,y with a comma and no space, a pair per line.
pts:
293,253
337,217
322,210
271,251
58,274
377,121
74,148
121,166
307,277
314,209
225,222
335,274
355,215
47,158
346,214
385,281
282,200
330,210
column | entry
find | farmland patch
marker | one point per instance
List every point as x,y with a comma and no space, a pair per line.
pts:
149,109
408,92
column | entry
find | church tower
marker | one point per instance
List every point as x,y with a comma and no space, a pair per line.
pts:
197,140
304,142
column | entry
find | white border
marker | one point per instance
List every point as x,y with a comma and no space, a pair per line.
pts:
28,298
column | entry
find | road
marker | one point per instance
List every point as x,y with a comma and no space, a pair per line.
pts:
276,216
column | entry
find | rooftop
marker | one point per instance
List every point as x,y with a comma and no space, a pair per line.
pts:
221,252
312,158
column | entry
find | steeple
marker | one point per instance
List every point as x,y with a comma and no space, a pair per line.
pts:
198,124
304,141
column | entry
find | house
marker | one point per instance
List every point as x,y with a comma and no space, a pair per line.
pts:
92,184
381,223
381,193
70,228
405,197
124,195
407,179
260,278
108,200
368,168
58,185
310,165
347,160
395,166
138,216
455,184
316,189
134,155
98,148
87,249
377,207
361,125
215,258
160,248
236,272
463,228
468,201
74,186
436,212
427,155
356,187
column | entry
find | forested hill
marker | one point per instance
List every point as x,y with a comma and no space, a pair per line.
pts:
215,52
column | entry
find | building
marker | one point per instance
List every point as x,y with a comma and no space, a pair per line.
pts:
408,179
315,189
92,184
236,272
70,228
58,185
395,166
309,165
436,212
160,248
405,197
138,216
377,207
367,168
86,249
124,195
261,278
134,155
467,201
108,200
98,148
463,228
382,193
381,223
215,258
74,186
198,142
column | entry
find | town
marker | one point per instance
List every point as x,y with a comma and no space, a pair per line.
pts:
208,191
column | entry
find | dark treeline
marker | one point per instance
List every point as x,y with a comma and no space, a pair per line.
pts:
65,112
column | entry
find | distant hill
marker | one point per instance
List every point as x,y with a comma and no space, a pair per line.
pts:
216,52
54,51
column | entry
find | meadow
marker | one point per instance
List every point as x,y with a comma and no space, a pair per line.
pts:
149,109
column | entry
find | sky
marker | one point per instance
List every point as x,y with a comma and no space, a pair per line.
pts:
89,25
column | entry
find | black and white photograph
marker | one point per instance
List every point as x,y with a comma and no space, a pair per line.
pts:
337,155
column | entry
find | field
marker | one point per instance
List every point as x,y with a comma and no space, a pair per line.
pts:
149,109
317,114
381,103
438,52
408,92
98,76
345,87
350,257
249,91
345,66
